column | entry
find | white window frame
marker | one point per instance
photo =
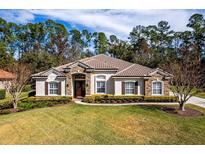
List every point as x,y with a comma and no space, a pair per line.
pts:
162,88
100,80
49,83
134,87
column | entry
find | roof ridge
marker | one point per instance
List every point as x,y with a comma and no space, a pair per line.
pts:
90,58
124,69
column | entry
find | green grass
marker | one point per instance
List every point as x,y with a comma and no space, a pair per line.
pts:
78,124
201,95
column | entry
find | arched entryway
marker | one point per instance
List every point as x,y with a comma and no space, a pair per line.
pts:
79,85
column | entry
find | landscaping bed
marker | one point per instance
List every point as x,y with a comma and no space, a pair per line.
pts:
34,102
110,99
187,113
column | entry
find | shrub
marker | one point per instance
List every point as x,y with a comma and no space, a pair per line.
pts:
112,99
127,99
5,111
160,99
28,88
6,105
2,93
40,102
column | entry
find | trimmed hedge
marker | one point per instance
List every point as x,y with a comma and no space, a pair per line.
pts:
40,102
112,99
2,93
34,102
127,99
160,99
6,105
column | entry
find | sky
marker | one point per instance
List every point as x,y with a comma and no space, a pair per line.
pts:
117,22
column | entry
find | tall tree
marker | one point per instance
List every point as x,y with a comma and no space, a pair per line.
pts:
100,42
120,49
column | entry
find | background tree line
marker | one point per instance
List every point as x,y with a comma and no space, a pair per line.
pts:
47,44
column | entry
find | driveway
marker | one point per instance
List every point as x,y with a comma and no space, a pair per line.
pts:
197,101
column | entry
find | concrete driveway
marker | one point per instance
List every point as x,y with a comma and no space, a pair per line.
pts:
197,101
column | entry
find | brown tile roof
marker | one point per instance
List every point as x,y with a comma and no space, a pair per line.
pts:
4,75
102,61
133,71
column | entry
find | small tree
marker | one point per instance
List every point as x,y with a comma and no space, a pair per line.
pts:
187,74
16,85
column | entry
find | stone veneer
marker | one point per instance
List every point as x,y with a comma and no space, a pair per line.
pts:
148,84
77,69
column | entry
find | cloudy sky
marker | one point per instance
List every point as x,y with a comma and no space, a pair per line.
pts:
118,22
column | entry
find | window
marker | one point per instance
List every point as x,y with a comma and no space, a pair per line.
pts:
53,88
101,84
157,88
129,87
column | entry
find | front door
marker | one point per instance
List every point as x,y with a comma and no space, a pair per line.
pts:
79,90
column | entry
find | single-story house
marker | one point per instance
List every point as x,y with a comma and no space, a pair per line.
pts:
102,74
5,76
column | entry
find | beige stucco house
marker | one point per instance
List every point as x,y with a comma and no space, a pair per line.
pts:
102,74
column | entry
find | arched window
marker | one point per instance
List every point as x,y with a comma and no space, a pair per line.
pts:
157,88
101,84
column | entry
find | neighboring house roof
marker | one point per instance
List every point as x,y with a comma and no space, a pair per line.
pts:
104,62
4,75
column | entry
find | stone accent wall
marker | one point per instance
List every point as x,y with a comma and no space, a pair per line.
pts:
78,69
148,84
88,84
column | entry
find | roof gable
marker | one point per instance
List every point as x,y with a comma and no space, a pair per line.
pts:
135,70
161,72
48,72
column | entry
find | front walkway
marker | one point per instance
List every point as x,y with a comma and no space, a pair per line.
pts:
78,101
197,101
193,100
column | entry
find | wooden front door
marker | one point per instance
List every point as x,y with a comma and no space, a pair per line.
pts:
79,90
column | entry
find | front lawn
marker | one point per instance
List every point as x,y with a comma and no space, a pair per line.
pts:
78,124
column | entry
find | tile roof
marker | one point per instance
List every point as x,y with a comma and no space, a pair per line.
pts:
47,72
134,70
6,75
104,62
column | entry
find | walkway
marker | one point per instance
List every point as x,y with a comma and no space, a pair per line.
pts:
150,103
197,101
193,100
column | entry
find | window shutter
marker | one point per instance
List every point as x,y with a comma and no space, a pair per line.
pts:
46,88
95,90
59,88
123,88
136,87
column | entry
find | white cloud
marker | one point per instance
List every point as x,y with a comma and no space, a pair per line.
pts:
118,22
19,16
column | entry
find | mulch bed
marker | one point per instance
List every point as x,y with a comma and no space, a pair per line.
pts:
187,113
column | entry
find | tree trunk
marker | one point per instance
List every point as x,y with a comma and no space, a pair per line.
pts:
15,103
181,106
